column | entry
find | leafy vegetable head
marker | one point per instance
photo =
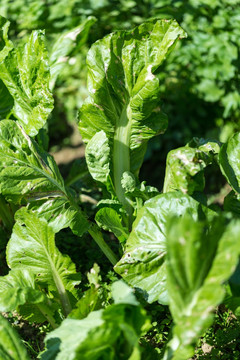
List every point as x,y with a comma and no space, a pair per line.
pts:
122,112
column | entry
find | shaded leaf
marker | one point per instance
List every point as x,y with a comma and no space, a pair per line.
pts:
230,168
92,299
6,101
110,220
232,203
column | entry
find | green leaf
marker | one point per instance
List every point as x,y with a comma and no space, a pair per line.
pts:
6,45
232,302
18,288
143,263
25,170
64,46
11,347
18,292
103,334
110,220
29,174
25,73
98,157
201,256
125,92
94,276
232,203
123,294
136,193
90,301
227,159
32,247
78,173
234,282
60,214
128,181
185,166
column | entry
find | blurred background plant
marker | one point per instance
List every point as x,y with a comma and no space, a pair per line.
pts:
199,81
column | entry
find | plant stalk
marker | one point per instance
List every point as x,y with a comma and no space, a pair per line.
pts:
97,236
121,156
67,308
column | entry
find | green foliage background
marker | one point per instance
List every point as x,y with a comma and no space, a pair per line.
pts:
200,81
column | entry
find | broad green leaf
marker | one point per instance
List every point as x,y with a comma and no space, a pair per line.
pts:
143,262
229,161
110,220
64,46
60,214
29,174
25,170
11,347
32,247
185,166
125,93
18,291
25,72
18,288
105,334
201,256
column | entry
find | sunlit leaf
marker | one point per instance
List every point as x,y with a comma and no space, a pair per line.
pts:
201,256
25,72
143,263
